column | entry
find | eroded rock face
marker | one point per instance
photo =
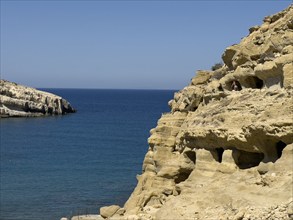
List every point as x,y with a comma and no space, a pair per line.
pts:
226,152
21,101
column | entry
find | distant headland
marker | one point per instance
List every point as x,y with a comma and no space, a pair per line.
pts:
21,101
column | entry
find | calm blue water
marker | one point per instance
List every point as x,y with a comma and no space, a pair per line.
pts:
53,167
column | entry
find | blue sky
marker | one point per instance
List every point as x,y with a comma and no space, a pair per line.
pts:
121,44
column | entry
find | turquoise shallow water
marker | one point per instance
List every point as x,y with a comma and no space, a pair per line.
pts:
66,165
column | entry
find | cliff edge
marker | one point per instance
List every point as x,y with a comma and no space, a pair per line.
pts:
225,150
21,101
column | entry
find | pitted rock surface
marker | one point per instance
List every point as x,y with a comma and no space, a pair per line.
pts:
225,150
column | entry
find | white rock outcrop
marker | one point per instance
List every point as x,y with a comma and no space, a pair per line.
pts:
21,101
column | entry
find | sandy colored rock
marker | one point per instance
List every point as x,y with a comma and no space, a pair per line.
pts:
108,211
201,77
288,75
87,217
222,153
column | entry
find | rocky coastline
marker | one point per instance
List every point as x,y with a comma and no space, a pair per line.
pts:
21,101
225,150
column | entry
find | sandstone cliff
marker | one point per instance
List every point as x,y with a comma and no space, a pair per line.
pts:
225,150
21,101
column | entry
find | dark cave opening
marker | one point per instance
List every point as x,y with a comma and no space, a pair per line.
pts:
234,85
280,147
190,155
182,176
183,173
253,82
258,82
220,88
220,152
245,159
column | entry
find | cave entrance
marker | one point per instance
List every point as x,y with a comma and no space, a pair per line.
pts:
280,147
190,155
234,85
219,152
220,88
245,160
182,175
258,82
253,82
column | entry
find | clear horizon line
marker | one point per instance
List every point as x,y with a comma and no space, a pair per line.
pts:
106,88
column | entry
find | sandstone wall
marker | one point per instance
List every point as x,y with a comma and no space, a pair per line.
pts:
225,152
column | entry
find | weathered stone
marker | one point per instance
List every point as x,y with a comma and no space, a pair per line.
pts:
188,99
288,75
290,209
239,59
201,77
270,73
254,28
288,50
120,211
222,154
20,101
267,70
228,56
108,211
87,217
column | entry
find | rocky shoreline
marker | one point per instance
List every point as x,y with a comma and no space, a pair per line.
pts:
21,101
225,150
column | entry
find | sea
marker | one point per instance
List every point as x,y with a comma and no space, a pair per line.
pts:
61,166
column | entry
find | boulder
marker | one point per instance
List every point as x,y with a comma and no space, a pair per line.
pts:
201,77
87,217
228,56
108,211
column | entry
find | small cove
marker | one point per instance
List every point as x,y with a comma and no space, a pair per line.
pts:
73,164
